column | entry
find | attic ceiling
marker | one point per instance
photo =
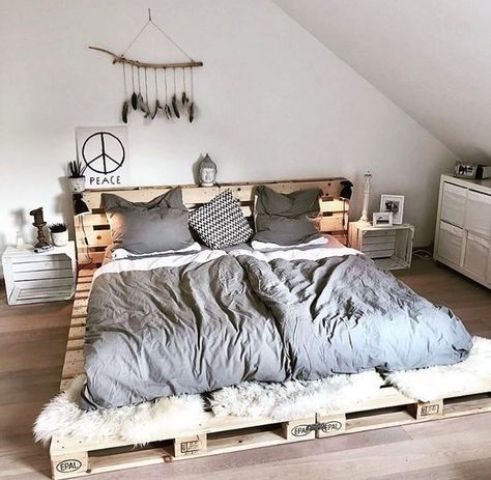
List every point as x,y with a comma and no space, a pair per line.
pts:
431,57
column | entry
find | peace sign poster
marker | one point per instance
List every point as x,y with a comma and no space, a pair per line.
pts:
103,150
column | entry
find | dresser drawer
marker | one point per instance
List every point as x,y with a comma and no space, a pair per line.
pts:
478,214
453,204
476,255
450,241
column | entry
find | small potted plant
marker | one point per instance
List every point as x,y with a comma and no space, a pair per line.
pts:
77,177
59,234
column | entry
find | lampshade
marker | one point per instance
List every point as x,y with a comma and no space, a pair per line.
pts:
79,206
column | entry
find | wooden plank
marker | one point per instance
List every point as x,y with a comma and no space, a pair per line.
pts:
46,263
76,333
72,369
45,274
86,272
83,287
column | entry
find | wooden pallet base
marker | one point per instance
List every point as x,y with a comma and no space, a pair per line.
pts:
71,458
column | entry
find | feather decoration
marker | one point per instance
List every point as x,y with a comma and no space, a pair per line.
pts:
191,112
124,111
134,100
167,111
174,106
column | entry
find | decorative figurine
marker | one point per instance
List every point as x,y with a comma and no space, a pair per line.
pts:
39,223
207,172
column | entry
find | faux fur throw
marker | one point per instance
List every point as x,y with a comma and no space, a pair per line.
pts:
433,383
283,401
136,424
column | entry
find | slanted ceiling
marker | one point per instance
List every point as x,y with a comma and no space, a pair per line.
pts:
431,57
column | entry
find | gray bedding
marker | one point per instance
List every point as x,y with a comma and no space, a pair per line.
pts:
202,326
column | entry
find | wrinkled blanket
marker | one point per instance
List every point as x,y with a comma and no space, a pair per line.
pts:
195,323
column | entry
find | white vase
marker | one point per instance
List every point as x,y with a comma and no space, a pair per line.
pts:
77,184
60,239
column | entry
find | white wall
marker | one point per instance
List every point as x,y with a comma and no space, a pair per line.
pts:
432,57
275,104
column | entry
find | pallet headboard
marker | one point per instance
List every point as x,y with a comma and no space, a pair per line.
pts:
94,226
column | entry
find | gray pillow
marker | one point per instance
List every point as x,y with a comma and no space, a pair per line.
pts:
156,226
286,219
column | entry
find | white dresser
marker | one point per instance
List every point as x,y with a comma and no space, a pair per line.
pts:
39,277
463,227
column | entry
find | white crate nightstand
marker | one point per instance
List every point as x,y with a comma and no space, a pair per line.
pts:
39,277
390,247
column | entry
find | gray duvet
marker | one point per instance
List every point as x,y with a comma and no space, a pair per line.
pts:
202,326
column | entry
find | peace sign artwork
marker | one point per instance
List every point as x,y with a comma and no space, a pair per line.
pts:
104,151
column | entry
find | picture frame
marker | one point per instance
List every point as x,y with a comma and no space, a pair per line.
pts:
382,219
394,204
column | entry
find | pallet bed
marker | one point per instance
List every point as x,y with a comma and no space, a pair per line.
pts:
71,458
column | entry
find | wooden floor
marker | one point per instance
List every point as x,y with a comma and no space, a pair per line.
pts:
32,343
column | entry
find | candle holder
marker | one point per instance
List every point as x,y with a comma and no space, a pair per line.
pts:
39,223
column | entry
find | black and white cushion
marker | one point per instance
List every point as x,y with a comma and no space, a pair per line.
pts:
220,223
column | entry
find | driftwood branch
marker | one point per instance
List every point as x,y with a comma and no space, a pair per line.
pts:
136,63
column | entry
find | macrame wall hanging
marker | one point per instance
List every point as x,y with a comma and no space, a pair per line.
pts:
165,89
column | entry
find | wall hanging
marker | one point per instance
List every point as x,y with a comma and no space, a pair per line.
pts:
156,89
102,152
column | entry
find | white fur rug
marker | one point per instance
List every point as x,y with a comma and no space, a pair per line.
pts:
296,399
428,384
136,424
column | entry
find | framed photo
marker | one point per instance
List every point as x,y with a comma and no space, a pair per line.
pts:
394,204
382,219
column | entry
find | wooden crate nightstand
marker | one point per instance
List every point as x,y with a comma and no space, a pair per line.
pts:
39,277
390,247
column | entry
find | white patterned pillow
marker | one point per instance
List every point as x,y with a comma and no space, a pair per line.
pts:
220,223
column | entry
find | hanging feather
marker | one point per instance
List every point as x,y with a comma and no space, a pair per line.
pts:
167,111
124,111
184,98
134,96
191,112
141,103
174,106
156,109
134,101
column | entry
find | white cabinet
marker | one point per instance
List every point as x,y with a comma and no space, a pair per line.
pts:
463,228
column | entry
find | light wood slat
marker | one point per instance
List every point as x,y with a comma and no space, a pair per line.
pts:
331,224
47,263
94,237
76,333
74,356
81,295
86,273
75,344
72,369
334,205
79,312
78,322
83,287
80,303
